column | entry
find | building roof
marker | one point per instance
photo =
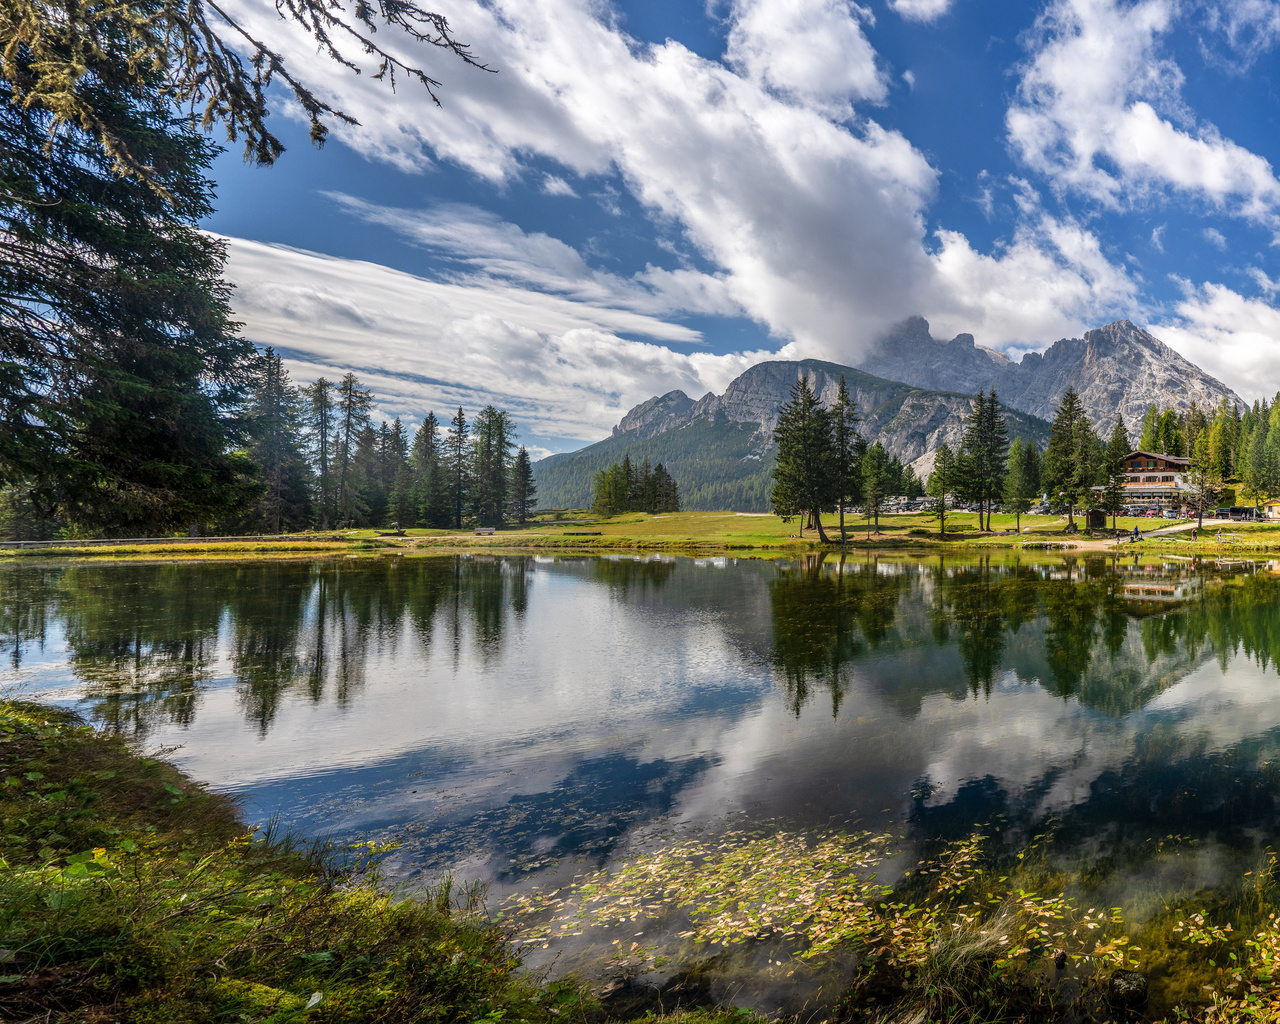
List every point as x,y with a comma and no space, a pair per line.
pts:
1178,459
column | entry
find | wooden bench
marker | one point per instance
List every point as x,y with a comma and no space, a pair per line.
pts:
484,531
1232,538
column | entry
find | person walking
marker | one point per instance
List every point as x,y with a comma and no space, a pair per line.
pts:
1135,533
1194,531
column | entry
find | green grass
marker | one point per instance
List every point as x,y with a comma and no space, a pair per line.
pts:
688,533
129,893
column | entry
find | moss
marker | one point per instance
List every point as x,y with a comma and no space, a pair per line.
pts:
130,893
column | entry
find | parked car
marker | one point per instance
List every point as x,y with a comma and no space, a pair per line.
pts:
1153,513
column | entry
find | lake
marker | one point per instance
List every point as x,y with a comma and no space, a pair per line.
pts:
520,720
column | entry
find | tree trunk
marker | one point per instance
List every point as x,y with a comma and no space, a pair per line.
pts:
817,519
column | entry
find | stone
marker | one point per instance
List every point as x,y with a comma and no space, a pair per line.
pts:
1127,990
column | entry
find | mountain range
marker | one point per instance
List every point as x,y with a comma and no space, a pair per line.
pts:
913,393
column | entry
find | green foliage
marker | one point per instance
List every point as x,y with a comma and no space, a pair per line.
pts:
983,455
804,471
622,488
126,885
524,491
121,377
718,463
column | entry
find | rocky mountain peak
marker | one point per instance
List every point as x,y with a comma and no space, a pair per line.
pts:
655,415
1119,368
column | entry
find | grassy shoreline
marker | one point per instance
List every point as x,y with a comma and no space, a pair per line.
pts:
130,893
695,533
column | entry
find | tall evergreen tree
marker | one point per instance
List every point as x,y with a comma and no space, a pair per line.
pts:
803,473
984,454
457,458
430,489
352,419
1149,436
276,448
401,507
943,482
1019,489
320,418
848,449
1117,449
122,380
523,490
1204,483
875,474
1062,467
491,465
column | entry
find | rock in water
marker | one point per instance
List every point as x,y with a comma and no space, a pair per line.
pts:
1127,990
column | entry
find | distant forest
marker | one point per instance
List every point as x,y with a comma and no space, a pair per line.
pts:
313,457
717,464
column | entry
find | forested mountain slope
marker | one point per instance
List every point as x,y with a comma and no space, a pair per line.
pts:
720,448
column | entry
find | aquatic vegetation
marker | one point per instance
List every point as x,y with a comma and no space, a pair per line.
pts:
129,893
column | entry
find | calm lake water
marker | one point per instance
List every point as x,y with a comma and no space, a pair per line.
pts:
511,719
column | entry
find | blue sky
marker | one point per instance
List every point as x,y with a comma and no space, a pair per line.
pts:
650,196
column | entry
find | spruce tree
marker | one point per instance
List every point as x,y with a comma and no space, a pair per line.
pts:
352,419
1117,450
803,473
523,489
875,473
457,465
1018,490
984,454
491,465
276,448
122,380
1062,460
320,418
430,486
942,482
848,450
1204,483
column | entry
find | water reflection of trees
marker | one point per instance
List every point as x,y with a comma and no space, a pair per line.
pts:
147,640
1083,639
825,614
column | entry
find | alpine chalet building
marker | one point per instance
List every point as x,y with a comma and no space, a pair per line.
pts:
1154,478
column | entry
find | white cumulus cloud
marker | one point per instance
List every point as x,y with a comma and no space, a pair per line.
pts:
1099,111
557,364
921,10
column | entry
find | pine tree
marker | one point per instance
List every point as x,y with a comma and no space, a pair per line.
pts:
276,448
1062,469
942,482
491,464
122,378
984,454
875,466
849,447
1204,483
352,415
430,488
1117,450
456,461
523,489
399,478
1149,437
320,419
803,473
1018,490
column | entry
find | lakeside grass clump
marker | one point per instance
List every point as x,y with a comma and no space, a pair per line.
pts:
127,893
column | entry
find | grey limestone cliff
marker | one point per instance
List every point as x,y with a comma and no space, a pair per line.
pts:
1116,369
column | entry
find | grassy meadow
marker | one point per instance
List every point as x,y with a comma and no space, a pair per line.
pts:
694,533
